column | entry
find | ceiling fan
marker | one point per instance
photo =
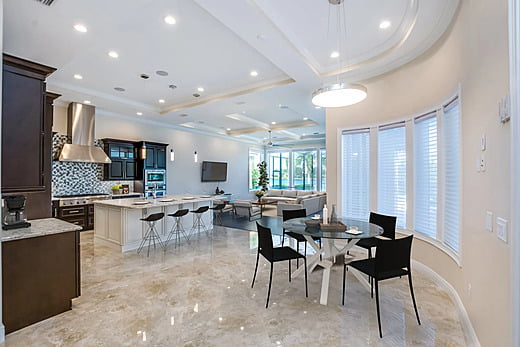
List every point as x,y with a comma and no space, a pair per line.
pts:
270,143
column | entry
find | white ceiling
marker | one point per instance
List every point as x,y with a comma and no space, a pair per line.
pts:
215,45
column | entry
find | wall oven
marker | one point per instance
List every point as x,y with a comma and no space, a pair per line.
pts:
155,176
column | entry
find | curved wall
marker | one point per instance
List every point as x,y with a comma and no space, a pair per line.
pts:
474,53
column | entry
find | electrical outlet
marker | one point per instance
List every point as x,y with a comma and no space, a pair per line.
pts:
489,221
477,162
482,163
502,229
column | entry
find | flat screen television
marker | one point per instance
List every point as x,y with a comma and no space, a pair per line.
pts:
213,171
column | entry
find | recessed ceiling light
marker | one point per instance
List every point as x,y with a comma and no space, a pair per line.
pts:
170,20
273,123
113,54
183,115
78,77
139,113
119,89
317,107
334,54
384,24
86,102
161,73
305,118
161,101
254,73
228,129
81,28
200,89
172,86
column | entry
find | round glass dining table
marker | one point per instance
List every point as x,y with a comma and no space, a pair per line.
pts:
312,229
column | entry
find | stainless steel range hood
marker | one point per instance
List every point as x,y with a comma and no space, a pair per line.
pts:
80,127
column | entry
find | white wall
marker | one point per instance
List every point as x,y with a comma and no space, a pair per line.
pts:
184,175
474,53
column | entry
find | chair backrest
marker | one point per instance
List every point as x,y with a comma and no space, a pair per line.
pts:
201,209
385,222
153,217
290,214
393,254
265,241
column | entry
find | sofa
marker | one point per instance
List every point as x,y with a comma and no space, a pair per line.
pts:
310,200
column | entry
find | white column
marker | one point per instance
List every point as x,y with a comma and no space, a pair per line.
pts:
514,80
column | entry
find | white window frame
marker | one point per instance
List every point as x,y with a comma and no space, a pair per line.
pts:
410,193
262,157
318,151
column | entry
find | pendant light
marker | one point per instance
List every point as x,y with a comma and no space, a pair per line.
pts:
339,94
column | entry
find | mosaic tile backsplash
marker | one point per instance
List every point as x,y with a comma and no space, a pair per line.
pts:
70,178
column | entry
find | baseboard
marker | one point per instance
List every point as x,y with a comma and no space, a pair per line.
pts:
469,333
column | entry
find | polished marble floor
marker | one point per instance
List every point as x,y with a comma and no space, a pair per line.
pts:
200,295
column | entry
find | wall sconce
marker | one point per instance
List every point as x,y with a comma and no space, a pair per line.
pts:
195,157
142,153
172,155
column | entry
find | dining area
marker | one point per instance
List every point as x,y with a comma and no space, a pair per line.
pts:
331,241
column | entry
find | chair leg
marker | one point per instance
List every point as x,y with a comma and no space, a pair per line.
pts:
344,277
289,270
269,290
283,236
306,289
256,268
377,307
297,250
413,298
370,278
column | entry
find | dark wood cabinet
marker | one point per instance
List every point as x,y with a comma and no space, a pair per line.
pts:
123,155
40,276
81,215
155,155
27,134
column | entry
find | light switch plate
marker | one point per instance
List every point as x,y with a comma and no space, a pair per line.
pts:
483,142
502,229
489,221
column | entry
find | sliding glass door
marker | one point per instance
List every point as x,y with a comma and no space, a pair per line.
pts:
279,170
305,171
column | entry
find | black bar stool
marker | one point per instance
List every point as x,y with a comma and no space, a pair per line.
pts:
177,228
198,223
151,233
217,213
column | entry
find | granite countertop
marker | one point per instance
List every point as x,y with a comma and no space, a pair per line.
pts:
158,202
39,227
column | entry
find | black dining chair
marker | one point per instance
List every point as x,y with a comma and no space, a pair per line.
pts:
388,224
273,255
385,222
392,260
291,214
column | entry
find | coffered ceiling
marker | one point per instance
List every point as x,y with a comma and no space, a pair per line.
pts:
210,52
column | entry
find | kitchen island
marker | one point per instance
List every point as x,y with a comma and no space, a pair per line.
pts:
118,225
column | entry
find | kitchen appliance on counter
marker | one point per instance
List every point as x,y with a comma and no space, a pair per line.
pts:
14,212
77,209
